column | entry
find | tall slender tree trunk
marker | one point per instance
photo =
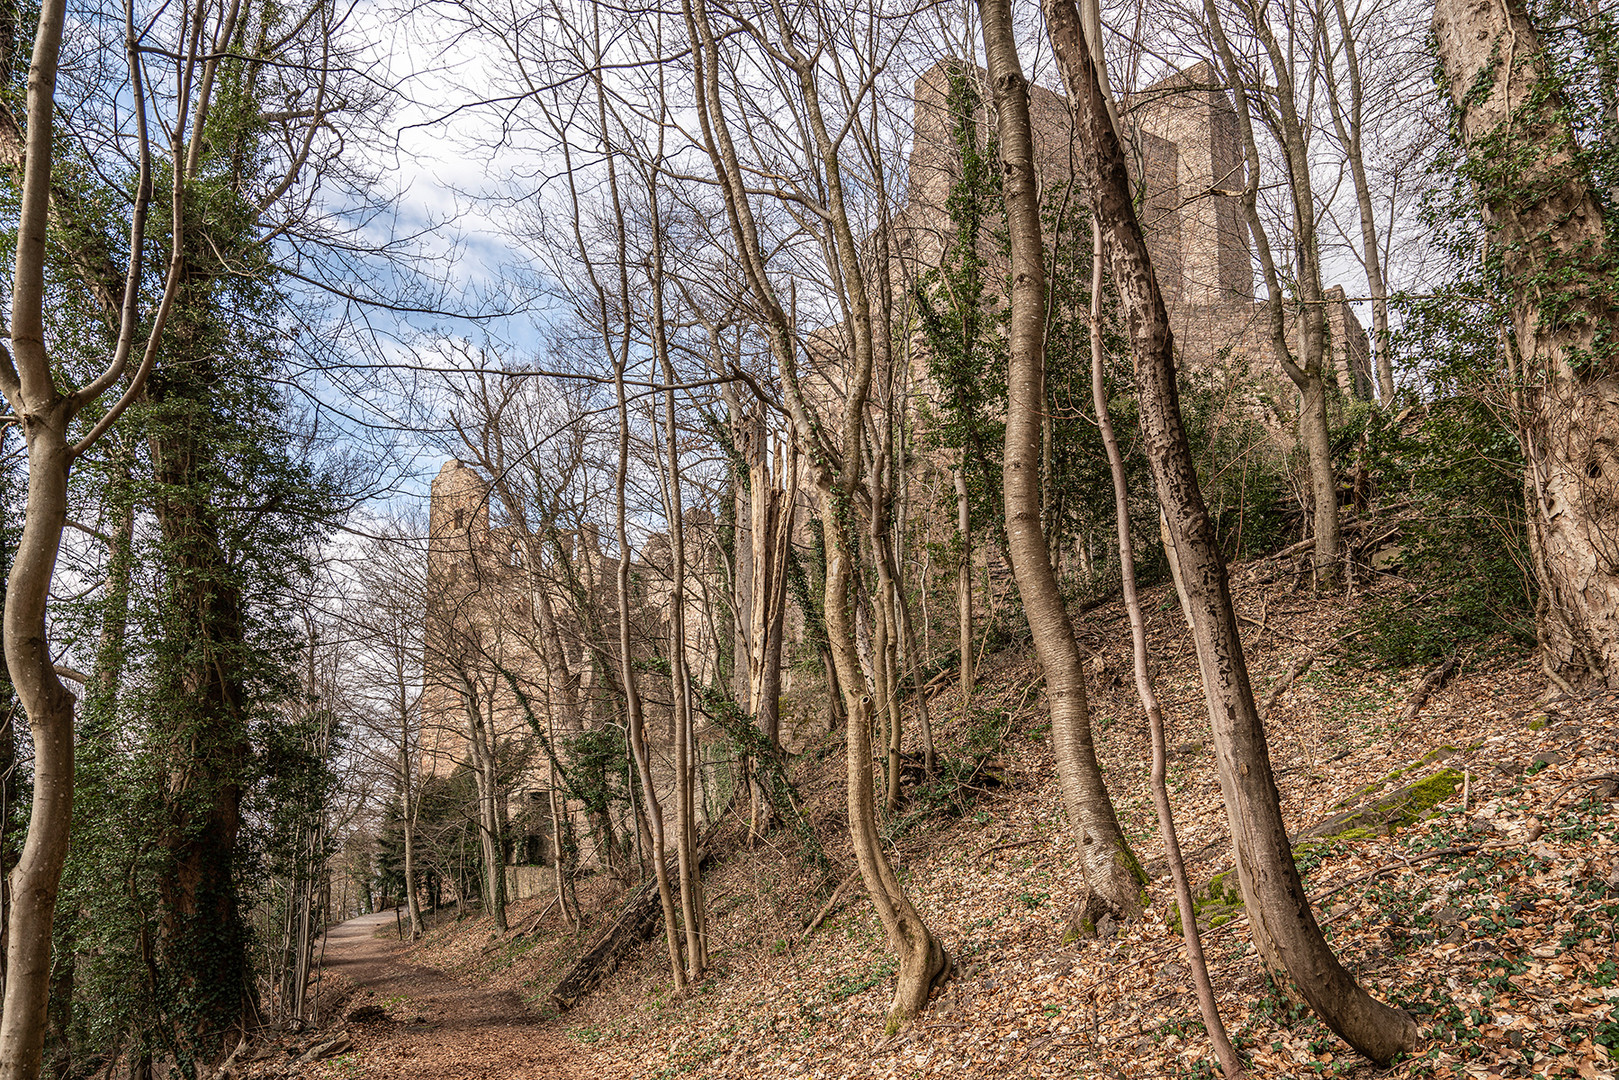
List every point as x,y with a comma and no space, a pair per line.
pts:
964,589
913,663
691,904
1348,119
922,961
1311,370
1230,1063
491,841
37,876
651,805
1277,906
1110,873
407,812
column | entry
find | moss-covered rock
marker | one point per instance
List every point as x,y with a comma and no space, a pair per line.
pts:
1384,814
1213,904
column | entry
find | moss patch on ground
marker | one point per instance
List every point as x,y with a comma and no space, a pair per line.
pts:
1385,814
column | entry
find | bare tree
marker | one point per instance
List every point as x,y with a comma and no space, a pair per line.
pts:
1283,925
46,413
1346,102
793,51
1110,872
1311,370
387,618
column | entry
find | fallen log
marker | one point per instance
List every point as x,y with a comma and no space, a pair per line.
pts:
1431,682
637,919
830,906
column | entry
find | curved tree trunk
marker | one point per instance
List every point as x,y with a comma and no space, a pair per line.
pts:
1543,214
38,873
1230,1063
1273,895
837,473
1111,875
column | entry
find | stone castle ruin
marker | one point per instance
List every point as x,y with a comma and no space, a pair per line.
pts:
505,639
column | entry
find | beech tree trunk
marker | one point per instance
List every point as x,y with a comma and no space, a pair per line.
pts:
1543,215
1230,1063
1273,896
836,467
38,874
1111,875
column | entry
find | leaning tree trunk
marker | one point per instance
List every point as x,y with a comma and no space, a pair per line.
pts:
1544,217
1230,1063
1111,875
1274,897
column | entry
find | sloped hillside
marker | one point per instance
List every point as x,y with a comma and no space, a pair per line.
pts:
1461,859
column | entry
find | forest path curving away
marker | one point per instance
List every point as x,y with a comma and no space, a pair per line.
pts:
431,1027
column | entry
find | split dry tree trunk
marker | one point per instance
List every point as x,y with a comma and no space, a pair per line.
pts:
964,588
1111,875
1543,215
836,468
1278,909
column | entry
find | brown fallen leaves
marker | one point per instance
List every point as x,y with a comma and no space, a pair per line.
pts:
1494,925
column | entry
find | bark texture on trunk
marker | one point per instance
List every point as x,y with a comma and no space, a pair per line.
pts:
37,876
1230,1063
1543,215
1112,876
1273,895
836,465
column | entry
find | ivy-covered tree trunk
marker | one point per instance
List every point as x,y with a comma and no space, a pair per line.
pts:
201,716
1546,222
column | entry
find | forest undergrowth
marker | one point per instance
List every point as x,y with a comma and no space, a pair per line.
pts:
1483,899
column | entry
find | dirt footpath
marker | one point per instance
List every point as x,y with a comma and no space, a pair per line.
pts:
414,1022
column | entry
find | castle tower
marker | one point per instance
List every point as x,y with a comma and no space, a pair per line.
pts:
1189,110
459,510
